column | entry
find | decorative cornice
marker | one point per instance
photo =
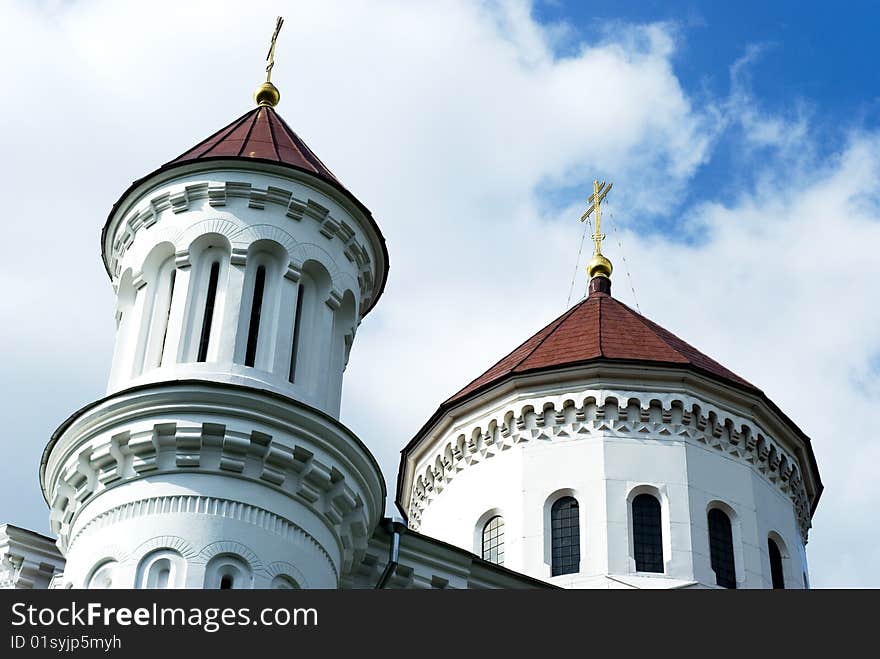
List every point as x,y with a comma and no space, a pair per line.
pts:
311,461
608,413
180,200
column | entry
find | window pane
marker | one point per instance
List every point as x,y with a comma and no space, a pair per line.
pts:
721,548
493,540
647,534
565,536
775,564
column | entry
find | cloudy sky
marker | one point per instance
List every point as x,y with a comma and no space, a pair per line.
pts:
744,148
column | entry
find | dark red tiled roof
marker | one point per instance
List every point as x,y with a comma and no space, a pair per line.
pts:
600,327
260,133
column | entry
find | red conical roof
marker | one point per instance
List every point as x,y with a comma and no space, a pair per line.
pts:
260,133
599,328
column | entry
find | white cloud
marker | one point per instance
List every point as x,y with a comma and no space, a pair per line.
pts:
446,119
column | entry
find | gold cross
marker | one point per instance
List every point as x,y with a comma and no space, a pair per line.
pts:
271,56
595,201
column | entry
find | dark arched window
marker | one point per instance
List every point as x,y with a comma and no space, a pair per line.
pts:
647,534
167,318
721,548
775,564
250,357
297,319
208,318
493,540
226,582
565,536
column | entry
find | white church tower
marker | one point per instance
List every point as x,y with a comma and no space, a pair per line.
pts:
605,452
242,269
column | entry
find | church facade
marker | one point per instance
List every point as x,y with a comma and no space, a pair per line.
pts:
604,452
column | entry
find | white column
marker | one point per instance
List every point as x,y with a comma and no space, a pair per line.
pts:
286,319
227,310
174,338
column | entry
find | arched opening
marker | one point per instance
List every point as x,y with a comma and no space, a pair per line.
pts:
254,322
161,569
777,574
126,329
166,316
284,582
207,288
208,313
158,277
262,294
313,326
647,533
297,330
160,574
721,548
102,575
493,540
565,536
344,324
228,572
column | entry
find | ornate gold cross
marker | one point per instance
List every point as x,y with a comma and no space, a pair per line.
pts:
271,56
595,201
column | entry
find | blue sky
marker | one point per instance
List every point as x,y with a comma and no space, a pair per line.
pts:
743,140
812,59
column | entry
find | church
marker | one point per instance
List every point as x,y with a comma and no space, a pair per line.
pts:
603,452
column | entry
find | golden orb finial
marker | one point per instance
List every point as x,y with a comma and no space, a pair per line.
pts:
267,94
599,266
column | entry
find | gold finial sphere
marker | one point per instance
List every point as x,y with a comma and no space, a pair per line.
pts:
599,266
267,94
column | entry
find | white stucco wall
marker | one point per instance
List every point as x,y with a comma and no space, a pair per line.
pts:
603,453
199,466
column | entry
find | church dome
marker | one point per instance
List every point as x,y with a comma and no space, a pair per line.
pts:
598,333
600,328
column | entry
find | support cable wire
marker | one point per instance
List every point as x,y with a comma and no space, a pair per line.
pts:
578,264
623,258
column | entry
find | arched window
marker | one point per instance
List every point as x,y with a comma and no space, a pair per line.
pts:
161,569
227,572
167,315
647,534
565,536
283,582
721,548
493,540
776,573
102,575
256,310
159,576
313,325
208,317
297,330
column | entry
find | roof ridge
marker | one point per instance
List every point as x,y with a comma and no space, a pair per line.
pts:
599,323
274,138
561,319
644,321
308,154
247,137
226,131
661,333
552,326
